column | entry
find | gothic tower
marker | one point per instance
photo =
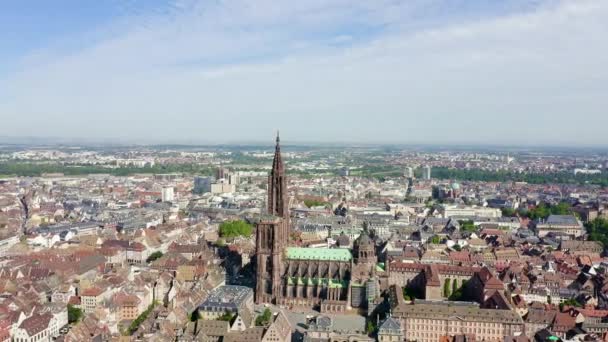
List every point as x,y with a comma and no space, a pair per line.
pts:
277,198
272,233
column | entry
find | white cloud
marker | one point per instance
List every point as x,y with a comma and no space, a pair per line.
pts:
324,70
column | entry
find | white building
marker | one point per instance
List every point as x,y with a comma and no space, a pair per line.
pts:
59,319
7,243
426,172
587,172
567,224
168,194
222,188
35,328
470,211
408,173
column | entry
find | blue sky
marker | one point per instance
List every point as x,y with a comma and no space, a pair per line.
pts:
411,71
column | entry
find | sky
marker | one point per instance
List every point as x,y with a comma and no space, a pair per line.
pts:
516,72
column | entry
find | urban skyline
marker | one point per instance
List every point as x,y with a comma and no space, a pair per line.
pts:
441,172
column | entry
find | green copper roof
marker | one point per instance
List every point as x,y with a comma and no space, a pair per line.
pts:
317,281
328,254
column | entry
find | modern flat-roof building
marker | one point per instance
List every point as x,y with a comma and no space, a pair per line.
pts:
226,299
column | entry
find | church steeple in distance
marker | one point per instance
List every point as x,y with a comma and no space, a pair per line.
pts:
277,197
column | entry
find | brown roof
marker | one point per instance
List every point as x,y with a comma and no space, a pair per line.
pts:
540,317
92,292
489,280
213,328
564,321
74,300
249,335
432,276
36,323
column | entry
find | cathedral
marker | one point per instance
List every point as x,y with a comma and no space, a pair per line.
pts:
327,279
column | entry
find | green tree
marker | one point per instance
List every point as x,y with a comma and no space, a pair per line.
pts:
436,240
509,212
74,314
598,231
542,211
140,319
467,226
227,316
231,229
454,285
154,256
446,288
264,318
459,293
570,302
370,327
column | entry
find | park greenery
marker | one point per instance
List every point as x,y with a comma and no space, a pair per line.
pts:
232,229
74,314
532,178
542,211
467,225
264,318
598,231
140,319
30,169
154,256
309,203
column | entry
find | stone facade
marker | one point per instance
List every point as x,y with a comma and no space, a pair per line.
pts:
306,277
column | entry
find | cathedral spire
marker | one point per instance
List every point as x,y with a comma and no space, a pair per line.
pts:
277,199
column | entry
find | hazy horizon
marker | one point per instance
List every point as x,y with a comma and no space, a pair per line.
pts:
51,142
496,73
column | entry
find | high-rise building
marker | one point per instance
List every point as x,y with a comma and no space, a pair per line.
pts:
426,172
167,194
233,178
202,184
408,172
222,173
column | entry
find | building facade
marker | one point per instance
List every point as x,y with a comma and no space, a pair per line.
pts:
428,321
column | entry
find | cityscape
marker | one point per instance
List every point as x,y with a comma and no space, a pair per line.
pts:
306,171
302,243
